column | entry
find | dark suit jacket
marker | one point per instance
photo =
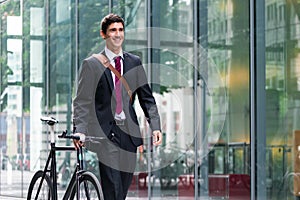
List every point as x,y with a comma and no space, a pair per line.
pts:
94,104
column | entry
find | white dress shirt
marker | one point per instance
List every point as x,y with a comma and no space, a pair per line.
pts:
111,55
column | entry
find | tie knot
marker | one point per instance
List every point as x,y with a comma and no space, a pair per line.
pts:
118,63
117,59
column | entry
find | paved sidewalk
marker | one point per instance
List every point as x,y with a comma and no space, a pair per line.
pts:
11,198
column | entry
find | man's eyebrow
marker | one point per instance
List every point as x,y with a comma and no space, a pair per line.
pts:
114,29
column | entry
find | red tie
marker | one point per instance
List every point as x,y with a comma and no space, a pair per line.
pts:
118,86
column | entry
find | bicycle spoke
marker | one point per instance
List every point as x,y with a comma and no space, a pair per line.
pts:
86,189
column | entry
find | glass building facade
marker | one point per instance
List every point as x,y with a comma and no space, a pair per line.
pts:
225,75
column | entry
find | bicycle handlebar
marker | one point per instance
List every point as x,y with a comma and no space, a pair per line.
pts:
64,135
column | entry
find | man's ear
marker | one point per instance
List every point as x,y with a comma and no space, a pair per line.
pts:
102,34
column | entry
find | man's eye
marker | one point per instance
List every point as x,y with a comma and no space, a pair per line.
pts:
114,29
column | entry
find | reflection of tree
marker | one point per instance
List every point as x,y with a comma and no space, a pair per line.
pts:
90,15
133,8
176,70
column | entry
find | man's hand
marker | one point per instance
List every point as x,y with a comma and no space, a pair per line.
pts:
79,143
157,137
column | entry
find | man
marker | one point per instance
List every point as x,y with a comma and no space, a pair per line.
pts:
104,110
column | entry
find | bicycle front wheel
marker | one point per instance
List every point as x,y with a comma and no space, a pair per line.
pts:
89,187
45,192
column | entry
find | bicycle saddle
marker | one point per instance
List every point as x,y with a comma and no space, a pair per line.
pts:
49,120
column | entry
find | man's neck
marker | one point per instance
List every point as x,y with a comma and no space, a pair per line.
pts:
115,51
111,53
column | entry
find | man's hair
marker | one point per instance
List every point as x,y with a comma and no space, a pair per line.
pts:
109,19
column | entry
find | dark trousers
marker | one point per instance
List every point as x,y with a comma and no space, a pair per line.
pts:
116,164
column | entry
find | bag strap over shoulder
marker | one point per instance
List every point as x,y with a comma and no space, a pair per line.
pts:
106,63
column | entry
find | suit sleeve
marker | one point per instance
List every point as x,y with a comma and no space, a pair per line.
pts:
147,100
84,100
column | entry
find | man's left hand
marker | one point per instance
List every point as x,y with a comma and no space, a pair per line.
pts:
157,137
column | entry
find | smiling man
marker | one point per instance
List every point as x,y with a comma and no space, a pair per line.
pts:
104,110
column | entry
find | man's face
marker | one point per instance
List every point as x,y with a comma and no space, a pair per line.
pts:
114,37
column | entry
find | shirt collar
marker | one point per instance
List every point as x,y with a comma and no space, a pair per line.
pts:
111,55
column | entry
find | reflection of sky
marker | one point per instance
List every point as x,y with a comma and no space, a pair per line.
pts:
14,25
14,47
186,1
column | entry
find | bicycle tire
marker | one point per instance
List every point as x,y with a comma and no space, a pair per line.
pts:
46,190
90,188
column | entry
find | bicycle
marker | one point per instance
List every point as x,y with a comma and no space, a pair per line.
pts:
43,185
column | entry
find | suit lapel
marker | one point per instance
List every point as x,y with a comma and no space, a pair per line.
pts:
125,63
109,78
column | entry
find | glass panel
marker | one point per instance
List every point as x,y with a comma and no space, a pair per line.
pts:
225,171
14,25
136,42
33,93
172,80
37,25
282,107
13,150
58,91
90,14
11,123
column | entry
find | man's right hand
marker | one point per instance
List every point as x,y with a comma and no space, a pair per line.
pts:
79,143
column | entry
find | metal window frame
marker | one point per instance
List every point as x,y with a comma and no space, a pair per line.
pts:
257,99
